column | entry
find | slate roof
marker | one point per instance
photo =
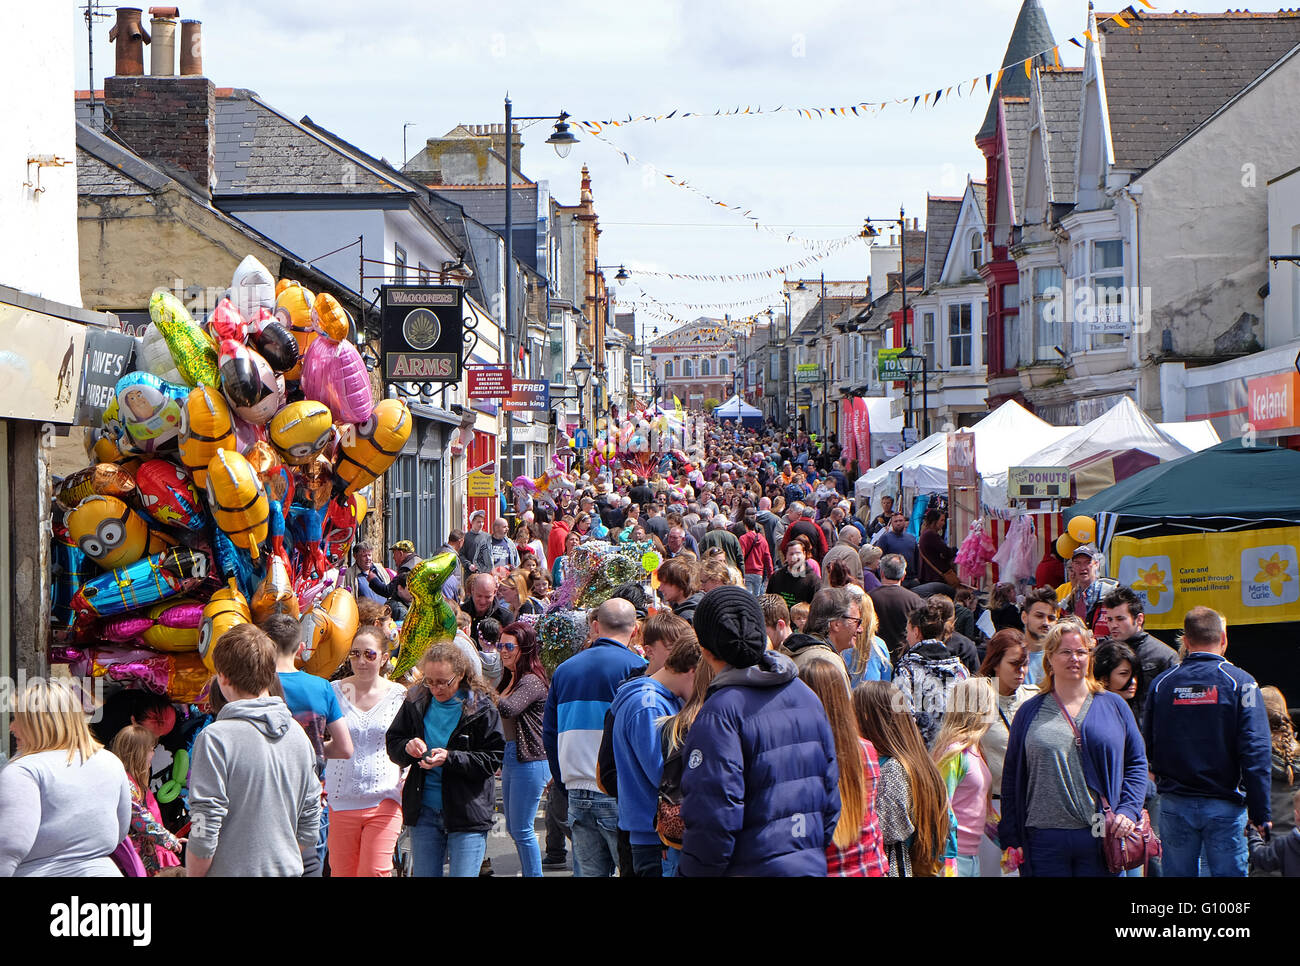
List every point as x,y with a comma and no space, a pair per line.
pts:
1016,110
811,323
1031,35
982,197
940,224
261,151
105,167
1060,91
1169,72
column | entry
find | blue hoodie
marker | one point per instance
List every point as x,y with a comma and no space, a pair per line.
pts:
638,754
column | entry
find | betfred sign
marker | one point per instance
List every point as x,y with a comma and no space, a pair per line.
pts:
489,382
528,396
422,332
1271,401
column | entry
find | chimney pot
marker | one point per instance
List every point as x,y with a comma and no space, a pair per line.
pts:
191,48
162,54
130,36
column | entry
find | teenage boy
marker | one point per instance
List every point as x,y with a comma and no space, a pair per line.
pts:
255,800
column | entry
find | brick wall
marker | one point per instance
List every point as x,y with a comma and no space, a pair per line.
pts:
168,121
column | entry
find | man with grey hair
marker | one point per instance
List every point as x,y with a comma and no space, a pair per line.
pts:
893,602
1209,748
833,611
849,536
573,719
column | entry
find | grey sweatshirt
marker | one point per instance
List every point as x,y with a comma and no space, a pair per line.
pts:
61,818
255,799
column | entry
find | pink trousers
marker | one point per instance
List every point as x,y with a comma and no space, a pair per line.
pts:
361,840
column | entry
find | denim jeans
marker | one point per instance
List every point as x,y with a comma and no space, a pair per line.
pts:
521,791
672,858
968,866
431,843
1188,824
648,861
756,584
1063,853
557,821
322,842
593,819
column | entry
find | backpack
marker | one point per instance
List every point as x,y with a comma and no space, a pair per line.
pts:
668,812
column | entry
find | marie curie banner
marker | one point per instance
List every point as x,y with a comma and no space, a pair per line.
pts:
1251,577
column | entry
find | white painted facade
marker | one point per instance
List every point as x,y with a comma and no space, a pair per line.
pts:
1282,307
38,198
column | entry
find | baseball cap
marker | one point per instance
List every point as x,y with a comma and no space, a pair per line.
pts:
1086,550
404,545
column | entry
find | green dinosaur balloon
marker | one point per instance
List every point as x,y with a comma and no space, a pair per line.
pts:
192,350
430,619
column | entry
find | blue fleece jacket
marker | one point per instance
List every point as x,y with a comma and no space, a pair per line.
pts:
1207,734
1114,758
638,753
573,720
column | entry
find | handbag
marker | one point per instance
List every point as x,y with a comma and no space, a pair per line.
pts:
668,810
1136,847
948,576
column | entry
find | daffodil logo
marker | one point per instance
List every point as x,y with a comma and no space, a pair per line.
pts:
1270,576
1150,576
1151,582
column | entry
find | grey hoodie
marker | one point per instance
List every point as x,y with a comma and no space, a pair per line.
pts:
255,800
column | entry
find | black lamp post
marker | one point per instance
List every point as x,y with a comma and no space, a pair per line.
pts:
582,376
916,364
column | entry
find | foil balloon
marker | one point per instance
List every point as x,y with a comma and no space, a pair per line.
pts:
237,501
327,633
179,676
247,435
168,496
251,385
340,528
194,352
332,369
148,409
293,310
69,569
430,618
276,478
102,479
144,582
226,608
156,356
367,452
110,533
301,430
225,322
307,526
206,427
126,629
252,287
275,594
273,340
175,626
314,482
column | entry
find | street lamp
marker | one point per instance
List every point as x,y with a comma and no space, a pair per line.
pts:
916,364
563,140
870,232
582,376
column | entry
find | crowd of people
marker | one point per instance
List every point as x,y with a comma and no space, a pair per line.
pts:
797,689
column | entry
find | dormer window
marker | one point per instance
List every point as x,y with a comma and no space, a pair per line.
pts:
976,251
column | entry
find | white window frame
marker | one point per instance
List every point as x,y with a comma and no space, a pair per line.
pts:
976,251
399,264
1043,294
1085,275
929,338
967,336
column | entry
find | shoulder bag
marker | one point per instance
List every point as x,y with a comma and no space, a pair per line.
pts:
948,576
1123,852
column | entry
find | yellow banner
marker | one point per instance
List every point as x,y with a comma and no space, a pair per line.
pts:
1251,577
481,483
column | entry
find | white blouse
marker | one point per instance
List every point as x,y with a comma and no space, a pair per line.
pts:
369,776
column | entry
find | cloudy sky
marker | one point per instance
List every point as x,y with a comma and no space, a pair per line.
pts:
437,65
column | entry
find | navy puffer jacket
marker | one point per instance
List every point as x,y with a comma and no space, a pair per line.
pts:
760,790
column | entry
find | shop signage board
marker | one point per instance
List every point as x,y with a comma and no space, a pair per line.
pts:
961,459
888,366
528,396
108,358
41,360
1038,482
1271,401
422,332
489,382
481,483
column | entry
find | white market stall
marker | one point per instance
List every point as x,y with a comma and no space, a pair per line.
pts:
741,411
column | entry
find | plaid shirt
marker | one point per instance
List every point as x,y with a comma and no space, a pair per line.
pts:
865,857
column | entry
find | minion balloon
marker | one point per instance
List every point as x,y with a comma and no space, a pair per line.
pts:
238,501
110,533
301,430
206,427
366,452
293,309
224,609
430,618
327,632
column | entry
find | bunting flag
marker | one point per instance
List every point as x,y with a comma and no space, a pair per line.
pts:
810,244
764,300
757,276
1122,19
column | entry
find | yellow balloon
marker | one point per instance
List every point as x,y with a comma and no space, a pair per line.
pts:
1083,529
1064,590
1066,545
362,507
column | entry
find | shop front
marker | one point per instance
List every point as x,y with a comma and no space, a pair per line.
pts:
1255,397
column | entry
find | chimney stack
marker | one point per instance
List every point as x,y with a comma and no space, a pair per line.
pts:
162,53
168,121
130,36
191,48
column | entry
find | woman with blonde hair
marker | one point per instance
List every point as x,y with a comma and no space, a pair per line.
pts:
868,659
855,849
157,847
912,801
965,773
65,802
1074,751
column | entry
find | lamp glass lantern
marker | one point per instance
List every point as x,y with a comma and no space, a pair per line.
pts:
562,138
582,370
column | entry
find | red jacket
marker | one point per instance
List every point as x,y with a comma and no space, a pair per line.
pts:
814,534
757,555
555,542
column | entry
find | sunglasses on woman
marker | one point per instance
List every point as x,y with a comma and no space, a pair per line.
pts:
370,654
506,646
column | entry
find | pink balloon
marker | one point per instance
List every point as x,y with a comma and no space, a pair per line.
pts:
334,374
185,614
127,628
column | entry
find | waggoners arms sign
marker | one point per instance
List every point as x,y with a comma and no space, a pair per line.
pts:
422,332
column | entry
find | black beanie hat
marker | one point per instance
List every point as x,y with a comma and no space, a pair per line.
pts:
729,623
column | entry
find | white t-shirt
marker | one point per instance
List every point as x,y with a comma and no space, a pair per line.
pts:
369,776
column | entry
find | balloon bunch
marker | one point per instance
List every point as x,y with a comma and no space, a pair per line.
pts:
225,487
1079,531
